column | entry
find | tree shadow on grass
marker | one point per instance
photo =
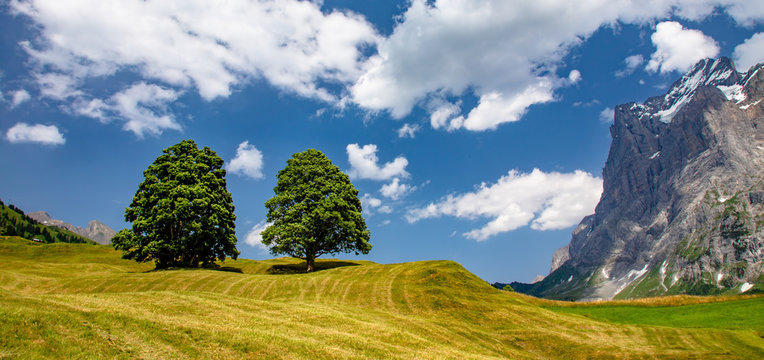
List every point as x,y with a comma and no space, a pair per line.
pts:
300,268
228,269
215,267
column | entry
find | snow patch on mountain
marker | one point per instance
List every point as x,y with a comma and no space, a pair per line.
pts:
745,107
708,72
630,277
733,93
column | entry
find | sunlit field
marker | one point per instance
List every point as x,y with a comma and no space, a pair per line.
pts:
84,301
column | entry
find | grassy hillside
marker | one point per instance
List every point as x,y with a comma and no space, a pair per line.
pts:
83,301
13,221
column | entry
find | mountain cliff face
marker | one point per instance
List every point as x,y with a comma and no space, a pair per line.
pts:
96,230
682,209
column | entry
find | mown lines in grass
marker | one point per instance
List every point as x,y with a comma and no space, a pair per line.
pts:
292,328
265,292
234,284
429,310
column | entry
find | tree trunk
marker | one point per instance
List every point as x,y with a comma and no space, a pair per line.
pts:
311,263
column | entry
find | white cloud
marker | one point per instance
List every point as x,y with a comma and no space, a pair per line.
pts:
678,48
57,86
445,114
395,190
546,201
750,52
631,63
371,204
254,238
434,51
38,133
574,76
211,47
495,108
408,130
607,115
747,13
143,107
248,161
19,97
587,104
505,53
364,164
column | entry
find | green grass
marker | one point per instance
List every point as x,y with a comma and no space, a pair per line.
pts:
84,301
737,314
22,224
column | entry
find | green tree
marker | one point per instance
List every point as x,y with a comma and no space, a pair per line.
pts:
315,211
182,213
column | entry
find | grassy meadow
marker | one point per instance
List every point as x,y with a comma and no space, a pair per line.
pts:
83,301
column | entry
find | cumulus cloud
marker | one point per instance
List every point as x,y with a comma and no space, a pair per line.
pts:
747,13
444,114
504,53
607,115
395,189
432,52
546,201
19,97
496,108
38,133
750,52
364,164
408,130
371,204
142,107
631,63
196,43
57,86
248,161
678,48
254,238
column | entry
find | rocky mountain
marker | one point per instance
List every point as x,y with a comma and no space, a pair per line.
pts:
96,230
682,209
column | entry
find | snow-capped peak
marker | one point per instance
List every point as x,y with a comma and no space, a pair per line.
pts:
713,72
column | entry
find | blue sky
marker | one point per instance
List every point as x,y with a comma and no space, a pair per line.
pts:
475,131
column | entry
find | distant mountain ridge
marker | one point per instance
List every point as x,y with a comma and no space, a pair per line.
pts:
14,222
682,209
96,230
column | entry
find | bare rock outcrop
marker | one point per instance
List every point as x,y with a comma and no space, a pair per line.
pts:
682,209
96,230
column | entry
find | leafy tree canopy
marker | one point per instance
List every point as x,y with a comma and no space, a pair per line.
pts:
182,213
315,211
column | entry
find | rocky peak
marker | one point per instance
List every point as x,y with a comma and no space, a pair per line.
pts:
40,216
100,232
683,169
708,72
96,230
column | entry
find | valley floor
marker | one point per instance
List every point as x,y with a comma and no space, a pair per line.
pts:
84,301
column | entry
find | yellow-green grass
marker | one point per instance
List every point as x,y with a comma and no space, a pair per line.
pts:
84,301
